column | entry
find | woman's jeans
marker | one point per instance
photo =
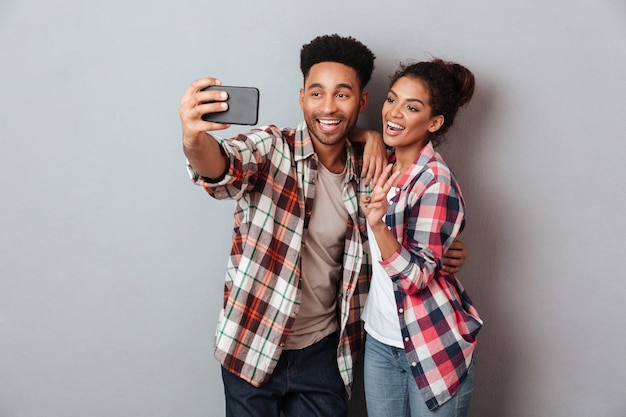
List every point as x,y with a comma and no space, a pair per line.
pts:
305,383
391,390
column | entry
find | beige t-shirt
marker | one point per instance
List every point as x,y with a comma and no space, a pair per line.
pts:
322,258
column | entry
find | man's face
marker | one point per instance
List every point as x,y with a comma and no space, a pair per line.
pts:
331,101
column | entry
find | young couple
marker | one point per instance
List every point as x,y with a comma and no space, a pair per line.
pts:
310,207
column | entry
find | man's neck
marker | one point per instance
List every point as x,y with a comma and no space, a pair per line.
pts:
332,157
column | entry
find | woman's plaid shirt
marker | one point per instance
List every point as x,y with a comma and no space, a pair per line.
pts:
272,177
438,320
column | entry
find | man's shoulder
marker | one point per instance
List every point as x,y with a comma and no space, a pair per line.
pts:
355,154
297,139
287,134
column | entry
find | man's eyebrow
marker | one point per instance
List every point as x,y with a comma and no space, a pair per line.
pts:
338,86
347,86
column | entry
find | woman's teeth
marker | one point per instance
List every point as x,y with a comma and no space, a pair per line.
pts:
394,126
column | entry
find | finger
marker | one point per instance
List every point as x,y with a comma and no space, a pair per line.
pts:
198,85
203,83
205,102
198,101
210,96
191,115
459,254
457,244
451,269
390,179
194,125
453,253
380,166
376,204
366,170
447,261
374,170
366,209
384,176
211,107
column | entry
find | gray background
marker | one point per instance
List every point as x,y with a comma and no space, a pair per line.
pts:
112,262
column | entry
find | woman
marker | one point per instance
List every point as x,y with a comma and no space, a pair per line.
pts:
420,323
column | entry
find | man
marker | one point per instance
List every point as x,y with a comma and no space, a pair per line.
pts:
290,329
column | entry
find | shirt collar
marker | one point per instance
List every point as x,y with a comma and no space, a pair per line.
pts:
425,156
303,149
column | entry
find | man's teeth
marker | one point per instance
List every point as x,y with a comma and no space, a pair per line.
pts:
395,126
329,122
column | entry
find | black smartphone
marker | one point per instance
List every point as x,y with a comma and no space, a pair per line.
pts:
243,106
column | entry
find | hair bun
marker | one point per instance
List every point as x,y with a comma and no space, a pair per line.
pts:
464,80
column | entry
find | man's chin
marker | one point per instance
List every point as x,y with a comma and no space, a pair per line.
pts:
330,139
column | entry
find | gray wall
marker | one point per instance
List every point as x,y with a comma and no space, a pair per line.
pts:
111,261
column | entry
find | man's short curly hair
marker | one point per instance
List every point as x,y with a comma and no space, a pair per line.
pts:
344,50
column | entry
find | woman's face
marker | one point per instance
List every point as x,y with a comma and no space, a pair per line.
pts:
406,114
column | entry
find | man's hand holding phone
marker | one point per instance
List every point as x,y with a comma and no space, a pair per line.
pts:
202,150
208,106
197,102
243,106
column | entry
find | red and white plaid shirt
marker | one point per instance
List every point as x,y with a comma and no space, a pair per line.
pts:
438,320
272,177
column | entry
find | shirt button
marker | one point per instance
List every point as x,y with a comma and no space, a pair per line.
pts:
281,344
413,364
401,310
406,339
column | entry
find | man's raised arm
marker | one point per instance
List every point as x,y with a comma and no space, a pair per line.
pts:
201,149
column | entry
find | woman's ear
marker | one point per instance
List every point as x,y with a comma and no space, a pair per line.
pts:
436,123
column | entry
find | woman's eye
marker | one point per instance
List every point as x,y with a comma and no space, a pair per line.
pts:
411,108
389,100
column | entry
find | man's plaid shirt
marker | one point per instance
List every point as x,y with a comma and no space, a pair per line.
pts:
439,323
272,177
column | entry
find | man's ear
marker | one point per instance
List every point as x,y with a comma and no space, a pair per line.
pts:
302,98
365,96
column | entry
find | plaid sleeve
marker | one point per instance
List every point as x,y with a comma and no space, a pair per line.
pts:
248,154
436,218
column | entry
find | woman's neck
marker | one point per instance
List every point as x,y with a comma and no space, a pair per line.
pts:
405,157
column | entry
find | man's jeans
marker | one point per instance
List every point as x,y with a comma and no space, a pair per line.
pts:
391,390
305,383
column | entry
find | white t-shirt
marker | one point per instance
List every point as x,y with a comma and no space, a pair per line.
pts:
380,312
